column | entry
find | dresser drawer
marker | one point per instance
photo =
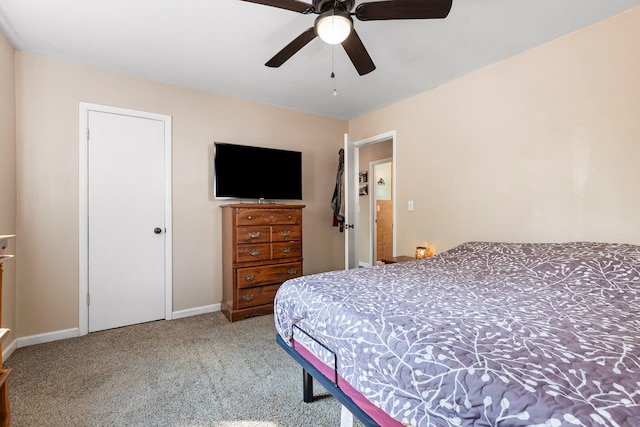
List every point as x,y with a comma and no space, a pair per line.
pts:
258,252
253,234
255,276
285,233
286,250
259,295
268,216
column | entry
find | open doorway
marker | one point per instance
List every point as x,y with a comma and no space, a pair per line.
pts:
382,212
376,206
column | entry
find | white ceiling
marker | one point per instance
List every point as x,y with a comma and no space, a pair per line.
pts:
221,46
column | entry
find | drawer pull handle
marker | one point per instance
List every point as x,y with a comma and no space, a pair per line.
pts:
249,217
292,271
247,297
286,233
289,217
254,252
254,234
249,277
286,250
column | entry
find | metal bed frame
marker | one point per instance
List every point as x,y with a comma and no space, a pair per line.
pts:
310,372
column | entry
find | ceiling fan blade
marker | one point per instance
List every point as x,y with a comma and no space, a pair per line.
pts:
294,5
289,50
358,53
403,9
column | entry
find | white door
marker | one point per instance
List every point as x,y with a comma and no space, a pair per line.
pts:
126,220
351,257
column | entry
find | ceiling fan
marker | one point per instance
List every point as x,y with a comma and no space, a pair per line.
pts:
334,23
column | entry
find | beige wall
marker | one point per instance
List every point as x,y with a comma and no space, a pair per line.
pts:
48,92
8,178
544,146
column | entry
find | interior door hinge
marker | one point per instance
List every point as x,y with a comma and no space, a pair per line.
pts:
87,134
88,298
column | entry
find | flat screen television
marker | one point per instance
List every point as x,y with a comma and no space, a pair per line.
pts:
246,172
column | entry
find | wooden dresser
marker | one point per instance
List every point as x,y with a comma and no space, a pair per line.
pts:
261,248
5,409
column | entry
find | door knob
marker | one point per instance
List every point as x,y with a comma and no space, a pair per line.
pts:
157,230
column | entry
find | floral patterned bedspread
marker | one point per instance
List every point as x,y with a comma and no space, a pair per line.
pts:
485,334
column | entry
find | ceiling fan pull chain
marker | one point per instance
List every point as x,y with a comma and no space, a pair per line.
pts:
333,75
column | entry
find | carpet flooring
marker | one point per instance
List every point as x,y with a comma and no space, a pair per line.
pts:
196,371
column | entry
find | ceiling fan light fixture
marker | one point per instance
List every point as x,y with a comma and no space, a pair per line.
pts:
333,27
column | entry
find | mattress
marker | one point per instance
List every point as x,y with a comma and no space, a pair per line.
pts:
495,334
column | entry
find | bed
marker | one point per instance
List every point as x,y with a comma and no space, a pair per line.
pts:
484,334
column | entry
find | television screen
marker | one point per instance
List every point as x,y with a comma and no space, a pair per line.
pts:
245,172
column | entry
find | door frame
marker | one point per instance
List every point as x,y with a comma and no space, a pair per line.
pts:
83,207
352,158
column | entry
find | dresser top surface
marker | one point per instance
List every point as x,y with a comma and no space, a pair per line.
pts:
262,206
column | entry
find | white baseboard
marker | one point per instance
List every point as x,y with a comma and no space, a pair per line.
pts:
196,311
47,337
74,332
8,350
